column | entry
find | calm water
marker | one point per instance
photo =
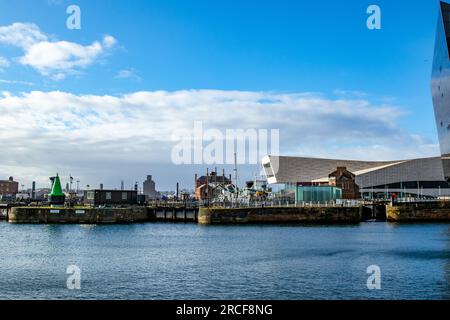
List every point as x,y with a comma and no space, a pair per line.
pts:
178,261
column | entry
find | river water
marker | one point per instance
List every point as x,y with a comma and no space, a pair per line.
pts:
188,261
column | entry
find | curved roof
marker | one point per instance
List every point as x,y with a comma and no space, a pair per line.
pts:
280,169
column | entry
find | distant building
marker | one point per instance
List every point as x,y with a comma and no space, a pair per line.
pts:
110,197
420,178
9,187
346,181
42,194
211,186
205,191
212,178
23,196
150,188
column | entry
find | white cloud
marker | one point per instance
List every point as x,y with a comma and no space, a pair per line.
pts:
127,74
19,82
109,41
22,35
350,93
4,63
107,138
55,59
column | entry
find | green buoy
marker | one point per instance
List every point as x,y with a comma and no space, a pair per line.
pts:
56,197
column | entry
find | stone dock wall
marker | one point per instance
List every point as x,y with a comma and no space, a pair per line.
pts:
47,215
419,212
274,215
410,212
78,216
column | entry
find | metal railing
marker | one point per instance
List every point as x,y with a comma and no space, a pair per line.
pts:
283,204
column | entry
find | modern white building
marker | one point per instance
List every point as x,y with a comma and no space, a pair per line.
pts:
418,177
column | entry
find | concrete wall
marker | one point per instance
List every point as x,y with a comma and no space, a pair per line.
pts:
78,216
278,215
417,212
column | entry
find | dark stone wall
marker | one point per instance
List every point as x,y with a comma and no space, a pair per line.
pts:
279,215
78,216
415,212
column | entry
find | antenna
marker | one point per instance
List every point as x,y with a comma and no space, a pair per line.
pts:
70,183
235,174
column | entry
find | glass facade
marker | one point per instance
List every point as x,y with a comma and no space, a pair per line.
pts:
440,84
317,194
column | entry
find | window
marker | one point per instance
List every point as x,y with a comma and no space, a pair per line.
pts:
124,196
108,196
90,195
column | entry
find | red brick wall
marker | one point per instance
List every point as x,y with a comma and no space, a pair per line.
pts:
9,187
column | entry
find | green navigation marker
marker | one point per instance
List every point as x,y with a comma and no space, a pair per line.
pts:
56,189
56,197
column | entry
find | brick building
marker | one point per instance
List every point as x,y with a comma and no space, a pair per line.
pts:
210,186
9,187
345,180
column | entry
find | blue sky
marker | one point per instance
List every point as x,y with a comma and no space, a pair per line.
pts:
281,47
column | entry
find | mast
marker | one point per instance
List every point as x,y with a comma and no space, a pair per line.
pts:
235,175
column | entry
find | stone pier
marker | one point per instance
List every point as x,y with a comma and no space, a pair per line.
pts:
419,212
280,215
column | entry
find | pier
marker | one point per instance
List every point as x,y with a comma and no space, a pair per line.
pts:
280,215
87,215
436,211
431,211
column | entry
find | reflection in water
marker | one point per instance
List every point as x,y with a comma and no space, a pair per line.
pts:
446,284
187,261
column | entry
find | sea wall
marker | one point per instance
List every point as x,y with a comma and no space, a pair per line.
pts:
49,215
278,215
418,212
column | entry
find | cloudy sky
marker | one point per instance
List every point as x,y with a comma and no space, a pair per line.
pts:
102,103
